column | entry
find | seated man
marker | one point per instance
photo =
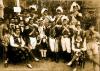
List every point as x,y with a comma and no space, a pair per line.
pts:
18,45
78,47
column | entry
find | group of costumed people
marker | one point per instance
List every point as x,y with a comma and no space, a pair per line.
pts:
52,35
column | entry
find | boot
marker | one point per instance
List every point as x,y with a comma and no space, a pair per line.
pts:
57,57
6,63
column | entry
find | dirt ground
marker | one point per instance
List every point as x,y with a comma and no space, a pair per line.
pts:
43,66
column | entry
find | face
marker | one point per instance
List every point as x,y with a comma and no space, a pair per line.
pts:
78,27
32,10
21,22
52,24
65,22
91,28
75,8
12,20
44,40
25,13
41,23
46,12
73,22
17,31
59,11
16,20
31,21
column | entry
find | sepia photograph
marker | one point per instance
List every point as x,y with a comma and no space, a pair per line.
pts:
49,35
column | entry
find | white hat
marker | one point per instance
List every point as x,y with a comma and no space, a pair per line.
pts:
59,8
43,10
74,4
34,7
64,18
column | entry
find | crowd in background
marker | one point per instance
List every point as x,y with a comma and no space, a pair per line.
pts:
31,36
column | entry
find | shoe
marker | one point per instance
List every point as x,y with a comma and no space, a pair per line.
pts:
57,60
75,69
6,64
29,66
69,63
36,59
45,58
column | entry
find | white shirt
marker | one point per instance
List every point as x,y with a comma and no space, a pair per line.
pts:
13,44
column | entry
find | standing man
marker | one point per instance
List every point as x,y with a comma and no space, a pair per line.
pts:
78,47
52,42
17,44
65,39
58,30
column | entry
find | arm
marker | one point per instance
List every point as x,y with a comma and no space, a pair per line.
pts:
98,35
23,43
98,39
58,25
35,25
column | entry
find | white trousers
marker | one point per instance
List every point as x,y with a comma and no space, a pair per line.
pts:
65,43
33,42
53,43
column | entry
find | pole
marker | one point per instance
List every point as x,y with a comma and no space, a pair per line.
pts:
1,9
18,4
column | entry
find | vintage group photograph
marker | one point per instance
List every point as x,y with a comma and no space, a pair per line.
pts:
49,35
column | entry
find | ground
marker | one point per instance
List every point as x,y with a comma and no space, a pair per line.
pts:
43,66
